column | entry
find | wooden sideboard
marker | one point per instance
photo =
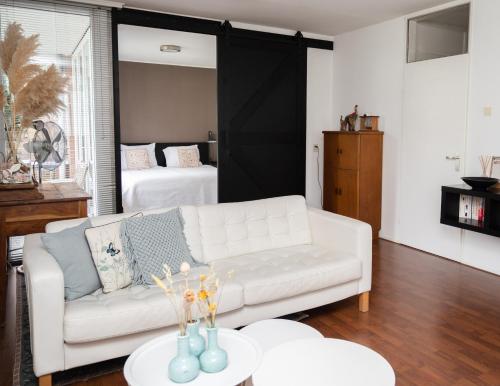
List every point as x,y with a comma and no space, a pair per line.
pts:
24,211
352,180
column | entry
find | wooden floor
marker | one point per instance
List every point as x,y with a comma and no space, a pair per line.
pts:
437,322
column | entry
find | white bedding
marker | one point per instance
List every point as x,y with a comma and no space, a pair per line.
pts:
161,187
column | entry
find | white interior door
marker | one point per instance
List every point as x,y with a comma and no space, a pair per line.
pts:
434,124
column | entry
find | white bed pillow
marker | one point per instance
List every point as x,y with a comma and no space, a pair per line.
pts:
172,155
151,152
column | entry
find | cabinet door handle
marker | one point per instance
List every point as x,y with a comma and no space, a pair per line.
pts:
337,151
336,190
340,191
340,151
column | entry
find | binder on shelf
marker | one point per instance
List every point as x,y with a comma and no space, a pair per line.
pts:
477,209
465,209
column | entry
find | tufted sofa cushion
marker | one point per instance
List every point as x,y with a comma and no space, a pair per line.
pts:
285,272
130,310
235,229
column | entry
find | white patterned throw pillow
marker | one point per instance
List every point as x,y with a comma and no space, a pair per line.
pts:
108,255
182,156
137,159
189,158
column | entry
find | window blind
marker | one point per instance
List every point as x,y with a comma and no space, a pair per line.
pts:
77,38
100,23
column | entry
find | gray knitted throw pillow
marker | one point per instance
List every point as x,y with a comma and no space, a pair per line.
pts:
152,241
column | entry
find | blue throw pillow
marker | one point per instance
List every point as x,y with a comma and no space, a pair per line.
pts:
152,241
70,249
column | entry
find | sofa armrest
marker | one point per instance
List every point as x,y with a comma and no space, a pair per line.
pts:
45,291
345,234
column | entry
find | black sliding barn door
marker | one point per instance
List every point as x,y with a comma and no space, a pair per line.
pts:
262,114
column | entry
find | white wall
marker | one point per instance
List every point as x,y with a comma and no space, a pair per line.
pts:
483,133
319,117
368,69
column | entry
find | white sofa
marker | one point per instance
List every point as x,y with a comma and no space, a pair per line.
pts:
286,257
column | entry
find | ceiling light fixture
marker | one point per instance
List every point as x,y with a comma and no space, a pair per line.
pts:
170,48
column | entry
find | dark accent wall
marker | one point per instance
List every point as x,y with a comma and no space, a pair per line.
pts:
163,103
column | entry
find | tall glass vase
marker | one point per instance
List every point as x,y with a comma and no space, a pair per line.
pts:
213,359
185,366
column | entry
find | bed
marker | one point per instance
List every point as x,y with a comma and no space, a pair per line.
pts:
164,187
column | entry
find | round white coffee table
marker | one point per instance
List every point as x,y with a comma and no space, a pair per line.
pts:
323,362
148,365
273,332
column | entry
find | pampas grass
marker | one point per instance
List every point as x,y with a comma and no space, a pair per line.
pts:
21,71
40,96
33,92
13,34
2,98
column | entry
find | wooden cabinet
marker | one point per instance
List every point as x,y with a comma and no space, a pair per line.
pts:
353,175
22,213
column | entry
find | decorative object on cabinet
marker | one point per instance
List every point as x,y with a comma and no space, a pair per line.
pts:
349,122
480,183
353,175
342,124
486,165
487,219
27,92
368,122
47,146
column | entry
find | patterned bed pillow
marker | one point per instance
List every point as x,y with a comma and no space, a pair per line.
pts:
137,159
189,158
108,255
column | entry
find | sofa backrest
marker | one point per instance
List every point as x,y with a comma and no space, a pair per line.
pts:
225,230
57,226
219,231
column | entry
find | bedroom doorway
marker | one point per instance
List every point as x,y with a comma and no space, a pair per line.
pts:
168,117
259,144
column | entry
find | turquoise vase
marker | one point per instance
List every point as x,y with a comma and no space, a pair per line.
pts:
213,359
185,366
196,341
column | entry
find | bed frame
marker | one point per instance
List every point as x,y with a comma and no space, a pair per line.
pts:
160,156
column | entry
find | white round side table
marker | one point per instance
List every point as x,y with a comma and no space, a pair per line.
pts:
273,332
148,365
323,362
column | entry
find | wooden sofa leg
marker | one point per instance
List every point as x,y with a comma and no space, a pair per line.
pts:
45,380
364,301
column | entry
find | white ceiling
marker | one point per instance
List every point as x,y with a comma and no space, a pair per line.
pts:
329,17
141,44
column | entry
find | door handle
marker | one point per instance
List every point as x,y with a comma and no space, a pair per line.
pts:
340,191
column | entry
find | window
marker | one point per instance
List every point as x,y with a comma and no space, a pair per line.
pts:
439,34
77,39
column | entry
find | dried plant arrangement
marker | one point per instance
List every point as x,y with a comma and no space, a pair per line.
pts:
210,294
28,91
180,295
